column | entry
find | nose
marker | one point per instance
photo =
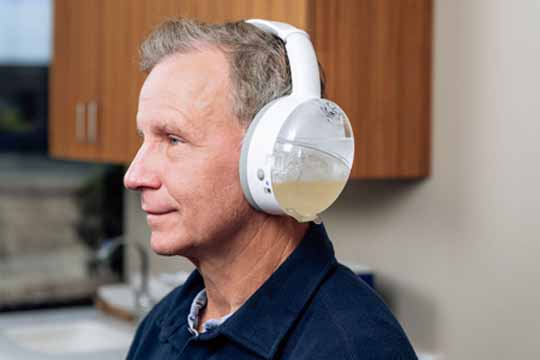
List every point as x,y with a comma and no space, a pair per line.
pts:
142,172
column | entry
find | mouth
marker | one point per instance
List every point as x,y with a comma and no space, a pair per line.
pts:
158,218
158,213
153,216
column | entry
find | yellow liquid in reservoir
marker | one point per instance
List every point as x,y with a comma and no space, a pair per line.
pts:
307,198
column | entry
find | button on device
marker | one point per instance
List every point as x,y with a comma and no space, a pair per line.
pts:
260,174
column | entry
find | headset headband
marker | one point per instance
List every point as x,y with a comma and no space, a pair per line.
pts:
301,55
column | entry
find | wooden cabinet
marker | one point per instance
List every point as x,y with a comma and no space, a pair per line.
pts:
88,114
376,56
74,84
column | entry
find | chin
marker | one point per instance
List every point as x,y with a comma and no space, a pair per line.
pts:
165,245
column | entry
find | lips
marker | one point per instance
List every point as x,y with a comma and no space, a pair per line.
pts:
154,217
155,208
157,211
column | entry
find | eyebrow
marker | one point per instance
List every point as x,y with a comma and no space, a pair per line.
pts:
162,126
167,126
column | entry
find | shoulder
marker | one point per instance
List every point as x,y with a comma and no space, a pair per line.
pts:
350,312
348,298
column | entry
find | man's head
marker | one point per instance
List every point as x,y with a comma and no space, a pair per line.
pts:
258,66
205,84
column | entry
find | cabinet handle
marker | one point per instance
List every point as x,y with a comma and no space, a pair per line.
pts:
92,109
79,122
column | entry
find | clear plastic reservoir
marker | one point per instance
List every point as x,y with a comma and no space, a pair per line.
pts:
312,159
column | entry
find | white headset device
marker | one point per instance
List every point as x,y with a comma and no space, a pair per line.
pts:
298,151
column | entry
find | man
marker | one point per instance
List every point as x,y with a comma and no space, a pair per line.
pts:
265,287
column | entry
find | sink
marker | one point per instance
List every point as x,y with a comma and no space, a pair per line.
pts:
120,296
82,336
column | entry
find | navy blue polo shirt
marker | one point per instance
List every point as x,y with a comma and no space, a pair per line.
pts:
311,307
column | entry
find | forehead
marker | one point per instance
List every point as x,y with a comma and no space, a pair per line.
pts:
189,88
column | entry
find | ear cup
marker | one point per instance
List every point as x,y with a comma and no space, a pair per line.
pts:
256,159
296,157
313,157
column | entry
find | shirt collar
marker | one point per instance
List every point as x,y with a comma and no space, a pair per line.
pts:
175,316
262,322
193,317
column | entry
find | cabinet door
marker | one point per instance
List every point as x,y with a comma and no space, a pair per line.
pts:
377,57
74,87
117,59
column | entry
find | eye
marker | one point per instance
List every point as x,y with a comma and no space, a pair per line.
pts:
174,140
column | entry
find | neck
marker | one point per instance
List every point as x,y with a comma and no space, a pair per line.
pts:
250,258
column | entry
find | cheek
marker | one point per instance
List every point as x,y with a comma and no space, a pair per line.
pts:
220,181
198,180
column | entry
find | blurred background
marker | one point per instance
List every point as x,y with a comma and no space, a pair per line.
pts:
441,213
54,213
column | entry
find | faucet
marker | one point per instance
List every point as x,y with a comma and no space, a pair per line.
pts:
143,300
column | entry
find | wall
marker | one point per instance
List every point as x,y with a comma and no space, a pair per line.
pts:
456,254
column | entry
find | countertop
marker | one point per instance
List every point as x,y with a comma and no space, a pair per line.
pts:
9,349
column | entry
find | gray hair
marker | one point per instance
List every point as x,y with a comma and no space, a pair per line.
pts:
259,68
